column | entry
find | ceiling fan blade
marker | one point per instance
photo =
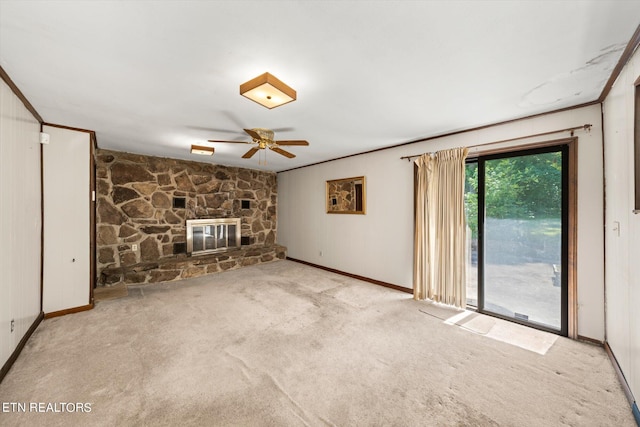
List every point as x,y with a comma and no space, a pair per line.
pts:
284,153
293,142
214,130
231,116
253,134
250,153
233,142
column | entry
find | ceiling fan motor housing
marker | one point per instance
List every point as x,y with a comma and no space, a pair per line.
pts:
264,133
264,139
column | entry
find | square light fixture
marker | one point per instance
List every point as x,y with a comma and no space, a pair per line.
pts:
201,149
267,91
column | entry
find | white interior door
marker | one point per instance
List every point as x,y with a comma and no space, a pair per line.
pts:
67,199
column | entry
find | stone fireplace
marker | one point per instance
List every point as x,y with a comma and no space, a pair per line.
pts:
210,235
145,204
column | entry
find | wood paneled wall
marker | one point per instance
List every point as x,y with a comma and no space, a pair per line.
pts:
20,221
622,226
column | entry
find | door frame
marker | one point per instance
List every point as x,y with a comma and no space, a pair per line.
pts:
569,297
91,195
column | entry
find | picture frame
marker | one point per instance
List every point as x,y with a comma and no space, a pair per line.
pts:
346,196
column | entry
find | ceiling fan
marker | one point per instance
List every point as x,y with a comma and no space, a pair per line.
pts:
264,139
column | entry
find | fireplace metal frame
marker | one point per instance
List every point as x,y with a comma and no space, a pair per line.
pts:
190,223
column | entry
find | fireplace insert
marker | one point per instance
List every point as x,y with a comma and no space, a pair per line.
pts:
210,235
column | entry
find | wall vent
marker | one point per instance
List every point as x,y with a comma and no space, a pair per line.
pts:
179,203
179,248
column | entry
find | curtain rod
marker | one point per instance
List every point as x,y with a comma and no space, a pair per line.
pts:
586,127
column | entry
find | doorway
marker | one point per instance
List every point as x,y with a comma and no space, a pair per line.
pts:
517,216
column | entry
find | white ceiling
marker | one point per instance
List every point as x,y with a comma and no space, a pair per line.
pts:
156,77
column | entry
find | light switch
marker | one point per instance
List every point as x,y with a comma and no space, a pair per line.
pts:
616,228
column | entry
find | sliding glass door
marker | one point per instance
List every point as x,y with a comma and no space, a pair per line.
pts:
517,212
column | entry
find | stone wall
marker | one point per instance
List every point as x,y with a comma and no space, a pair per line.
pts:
145,200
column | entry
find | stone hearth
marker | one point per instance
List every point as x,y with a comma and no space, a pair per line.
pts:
177,268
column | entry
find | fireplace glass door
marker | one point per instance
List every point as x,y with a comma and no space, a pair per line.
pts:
204,236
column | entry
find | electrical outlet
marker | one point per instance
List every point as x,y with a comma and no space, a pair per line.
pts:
13,325
134,247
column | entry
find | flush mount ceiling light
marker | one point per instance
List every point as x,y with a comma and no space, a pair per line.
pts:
267,91
201,149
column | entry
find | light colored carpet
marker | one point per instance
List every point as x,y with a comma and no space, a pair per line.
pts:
284,344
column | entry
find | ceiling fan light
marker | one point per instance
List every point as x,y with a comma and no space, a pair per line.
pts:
267,91
203,150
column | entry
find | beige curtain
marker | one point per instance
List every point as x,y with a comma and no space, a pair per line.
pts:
440,225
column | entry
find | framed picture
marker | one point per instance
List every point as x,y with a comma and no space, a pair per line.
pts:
346,196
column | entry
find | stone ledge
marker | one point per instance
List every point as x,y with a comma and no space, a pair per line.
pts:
183,267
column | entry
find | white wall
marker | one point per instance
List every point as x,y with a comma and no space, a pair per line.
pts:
20,221
379,245
67,227
623,248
